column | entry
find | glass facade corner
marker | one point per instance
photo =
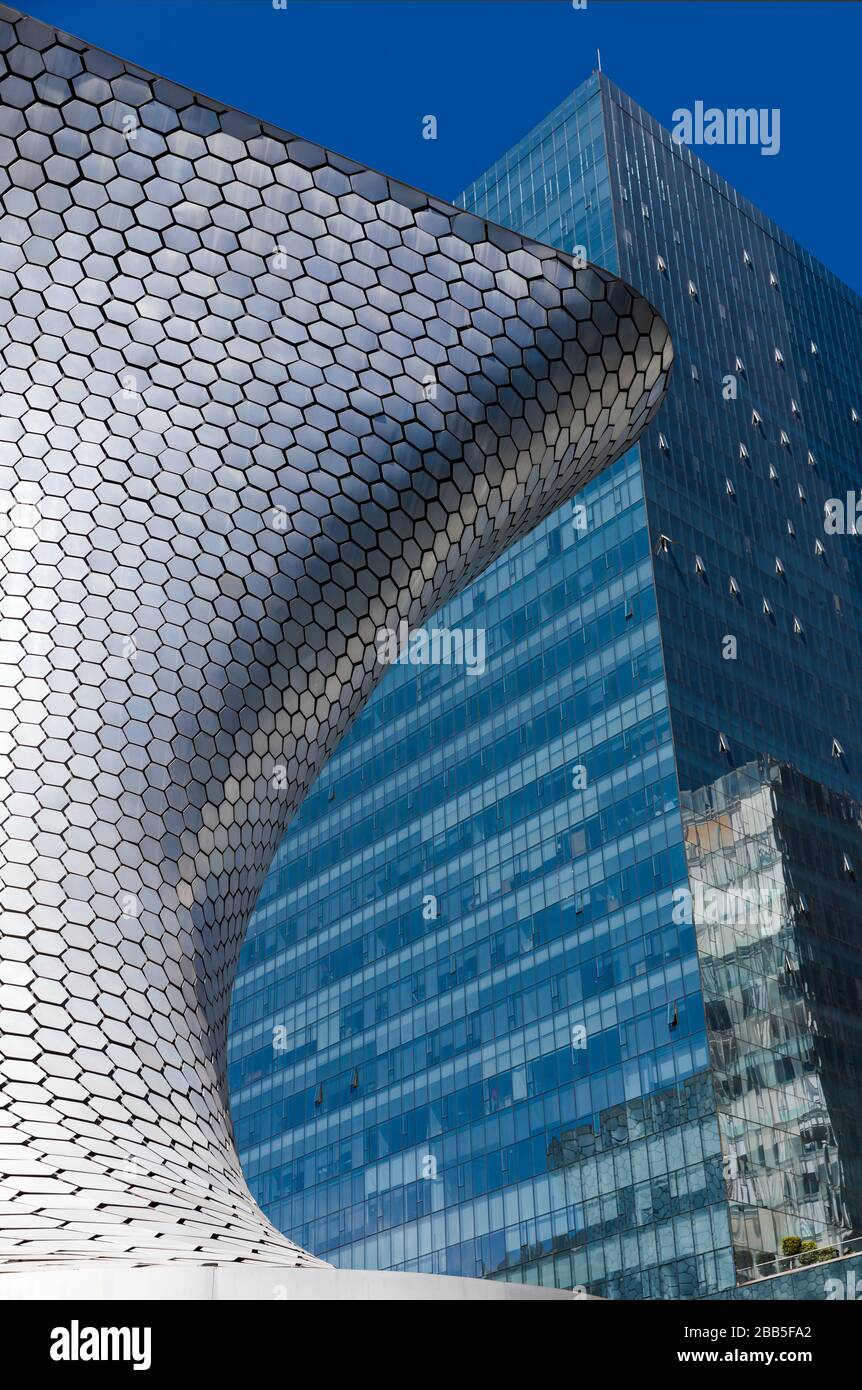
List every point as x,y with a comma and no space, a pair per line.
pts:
473,1033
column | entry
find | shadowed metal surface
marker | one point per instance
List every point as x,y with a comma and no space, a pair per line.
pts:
258,403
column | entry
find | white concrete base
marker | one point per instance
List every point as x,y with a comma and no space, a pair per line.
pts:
262,1283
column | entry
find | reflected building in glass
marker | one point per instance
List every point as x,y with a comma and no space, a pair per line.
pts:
557,975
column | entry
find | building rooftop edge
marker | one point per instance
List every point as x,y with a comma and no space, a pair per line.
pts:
599,81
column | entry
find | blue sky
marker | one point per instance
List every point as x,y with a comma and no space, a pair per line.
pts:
359,75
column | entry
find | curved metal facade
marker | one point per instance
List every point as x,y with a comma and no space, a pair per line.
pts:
260,403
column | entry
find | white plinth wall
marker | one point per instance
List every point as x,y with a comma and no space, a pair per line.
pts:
259,1283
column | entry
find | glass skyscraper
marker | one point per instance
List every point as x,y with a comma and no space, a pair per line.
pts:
557,975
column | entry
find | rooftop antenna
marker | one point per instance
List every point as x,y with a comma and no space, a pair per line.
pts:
599,57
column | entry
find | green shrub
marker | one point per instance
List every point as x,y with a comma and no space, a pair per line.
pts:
791,1245
809,1257
829,1252
809,1245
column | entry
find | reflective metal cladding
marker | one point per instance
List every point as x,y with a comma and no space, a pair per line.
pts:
259,403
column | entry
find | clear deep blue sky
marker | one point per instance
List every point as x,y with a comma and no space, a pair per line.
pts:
359,75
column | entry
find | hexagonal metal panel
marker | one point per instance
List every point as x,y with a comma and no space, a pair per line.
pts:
258,403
